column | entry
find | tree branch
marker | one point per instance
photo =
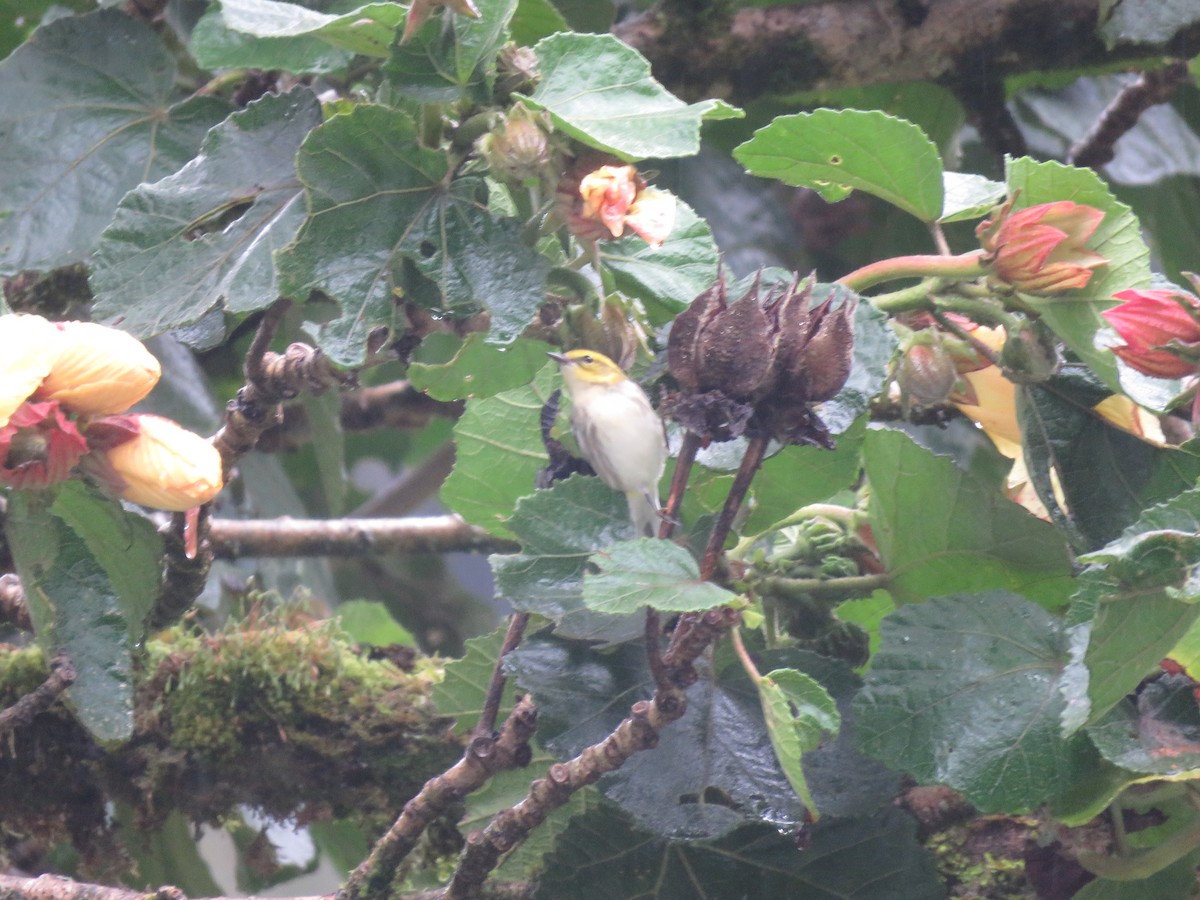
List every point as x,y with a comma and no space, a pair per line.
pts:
822,46
233,538
62,676
485,756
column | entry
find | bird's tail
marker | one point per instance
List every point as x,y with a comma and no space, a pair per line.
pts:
643,510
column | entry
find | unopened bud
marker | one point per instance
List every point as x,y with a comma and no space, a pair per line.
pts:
520,147
165,466
100,371
29,347
516,72
927,373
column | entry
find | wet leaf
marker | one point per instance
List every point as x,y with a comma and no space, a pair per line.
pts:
449,368
206,235
971,537
99,92
965,691
559,529
649,572
498,451
605,856
90,573
713,768
382,209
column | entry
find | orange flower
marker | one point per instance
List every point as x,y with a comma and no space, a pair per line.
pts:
165,466
100,370
1040,249
612,200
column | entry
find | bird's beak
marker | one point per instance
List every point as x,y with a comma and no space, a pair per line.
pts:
560,358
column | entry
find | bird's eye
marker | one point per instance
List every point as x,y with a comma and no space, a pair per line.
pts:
588,360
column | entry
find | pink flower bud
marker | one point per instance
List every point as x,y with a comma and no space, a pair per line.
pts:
29,347
39,446
165,466
1040,249
100,371
1161,331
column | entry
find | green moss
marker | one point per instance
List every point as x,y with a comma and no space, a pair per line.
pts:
21,670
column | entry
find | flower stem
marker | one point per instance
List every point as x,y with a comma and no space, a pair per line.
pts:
967,265
755,451
743,655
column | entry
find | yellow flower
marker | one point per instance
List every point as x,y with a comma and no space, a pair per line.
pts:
29,347
617,430
165,466
100,370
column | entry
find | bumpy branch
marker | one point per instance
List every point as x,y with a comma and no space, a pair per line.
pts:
485,756
818,46
1149,89
271,378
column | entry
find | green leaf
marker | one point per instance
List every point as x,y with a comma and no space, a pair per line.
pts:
1105,475
649,572
90,572
90,110
1075,315
559,529
1141,592
716,765
126,545
965,692
179,247
367,30
798,711
215,45
837,151
451,57
968,196
369,622
971,537
600,91
463,688
669,277
498,451
378,201
534,20
604,856
448,368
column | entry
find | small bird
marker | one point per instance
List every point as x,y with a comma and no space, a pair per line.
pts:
617,430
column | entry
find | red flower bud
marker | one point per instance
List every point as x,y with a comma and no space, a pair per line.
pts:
1040,249
39,446
1161,331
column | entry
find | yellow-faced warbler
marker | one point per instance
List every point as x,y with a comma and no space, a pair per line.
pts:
617,430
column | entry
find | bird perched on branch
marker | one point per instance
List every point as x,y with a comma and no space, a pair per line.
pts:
617,430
